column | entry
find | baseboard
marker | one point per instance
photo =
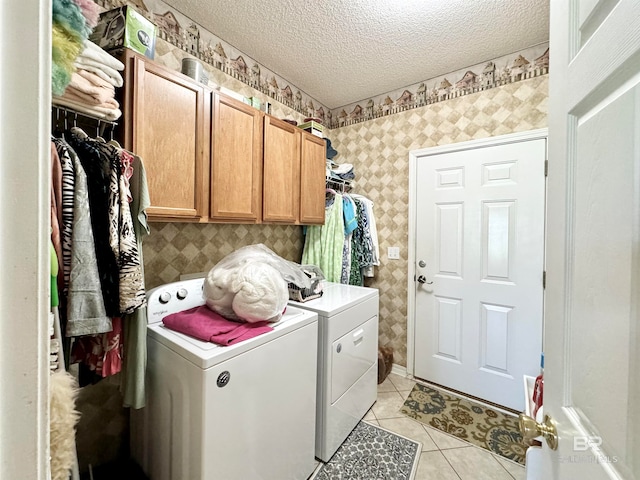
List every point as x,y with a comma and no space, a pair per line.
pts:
400,370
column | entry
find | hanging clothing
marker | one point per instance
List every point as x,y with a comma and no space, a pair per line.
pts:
95,158
350,224
122,270
128,249
56,207
370,224
324,243
65,210
350,219
85,313
362,243
102,354
134,364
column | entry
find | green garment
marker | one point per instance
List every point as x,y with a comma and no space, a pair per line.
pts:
324,243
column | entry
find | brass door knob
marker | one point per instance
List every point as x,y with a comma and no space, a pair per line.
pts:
531,429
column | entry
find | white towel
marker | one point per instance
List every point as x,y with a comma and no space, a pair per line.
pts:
116,81
103,71
98,112
94,52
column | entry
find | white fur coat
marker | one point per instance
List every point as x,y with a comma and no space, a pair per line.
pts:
62,423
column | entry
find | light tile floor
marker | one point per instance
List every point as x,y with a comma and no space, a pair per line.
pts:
443,456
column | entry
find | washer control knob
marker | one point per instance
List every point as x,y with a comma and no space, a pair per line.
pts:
182,294
164,297
339,348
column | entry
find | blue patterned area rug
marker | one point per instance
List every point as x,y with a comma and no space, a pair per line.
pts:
469,421
369,453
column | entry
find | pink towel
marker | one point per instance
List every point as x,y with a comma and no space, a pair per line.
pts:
95,94
205,324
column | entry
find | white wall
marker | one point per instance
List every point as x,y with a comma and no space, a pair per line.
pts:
25,53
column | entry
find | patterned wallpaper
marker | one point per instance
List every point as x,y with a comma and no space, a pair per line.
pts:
225,63
379,150
173,249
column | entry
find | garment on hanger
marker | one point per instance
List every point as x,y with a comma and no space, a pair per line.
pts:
372,235
362,244
97,160
85,309
101,255
350,224
134,363
122,269
324,243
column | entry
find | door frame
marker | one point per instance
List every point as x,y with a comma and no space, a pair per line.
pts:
25,183
414,156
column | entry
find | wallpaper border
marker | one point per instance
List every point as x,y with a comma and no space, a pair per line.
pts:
206,46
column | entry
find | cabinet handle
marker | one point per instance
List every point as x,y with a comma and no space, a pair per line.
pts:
358,336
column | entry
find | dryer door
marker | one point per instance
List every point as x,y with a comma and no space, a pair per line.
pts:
352,355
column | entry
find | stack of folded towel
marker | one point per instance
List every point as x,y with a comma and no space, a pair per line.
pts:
72,22
342,171
92,86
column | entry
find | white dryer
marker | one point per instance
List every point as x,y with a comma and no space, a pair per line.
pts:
245,411
347,361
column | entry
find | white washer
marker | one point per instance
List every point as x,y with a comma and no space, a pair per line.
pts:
347,361
245,411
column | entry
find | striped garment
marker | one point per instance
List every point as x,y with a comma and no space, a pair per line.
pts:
121,235
68,191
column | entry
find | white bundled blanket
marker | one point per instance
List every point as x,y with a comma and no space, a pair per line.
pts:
250,284
260,293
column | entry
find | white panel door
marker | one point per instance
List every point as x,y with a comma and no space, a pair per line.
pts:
592,333
479,238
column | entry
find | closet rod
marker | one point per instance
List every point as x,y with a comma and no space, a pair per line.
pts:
101,125
342,185
71,111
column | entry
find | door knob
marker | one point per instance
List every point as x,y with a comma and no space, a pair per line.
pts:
531,429
423,279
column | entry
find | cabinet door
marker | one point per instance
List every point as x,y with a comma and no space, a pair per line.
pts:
281,167
312,179
165,125
236,164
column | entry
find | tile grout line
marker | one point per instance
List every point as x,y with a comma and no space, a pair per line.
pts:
505,468
452,467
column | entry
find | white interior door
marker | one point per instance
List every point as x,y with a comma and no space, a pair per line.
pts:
592,371
479,254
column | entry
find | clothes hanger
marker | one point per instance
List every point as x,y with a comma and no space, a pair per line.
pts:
57,131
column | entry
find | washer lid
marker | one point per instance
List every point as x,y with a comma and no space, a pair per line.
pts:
207,354
337,297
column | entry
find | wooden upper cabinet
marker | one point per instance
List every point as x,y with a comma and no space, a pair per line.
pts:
209,157
166,123
281,171
236,162
312,179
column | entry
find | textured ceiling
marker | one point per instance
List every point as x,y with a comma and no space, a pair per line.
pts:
343,51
